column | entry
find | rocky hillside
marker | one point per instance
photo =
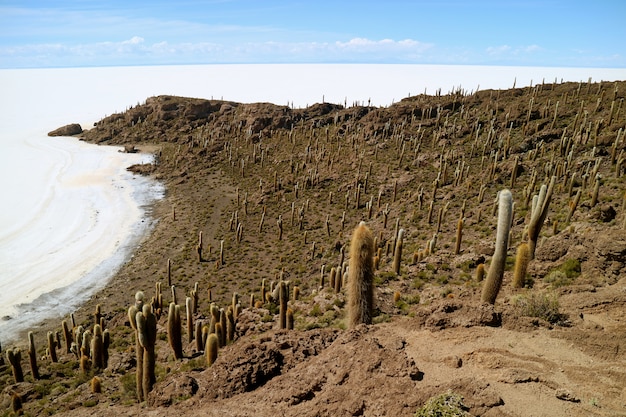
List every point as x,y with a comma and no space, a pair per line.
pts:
259,193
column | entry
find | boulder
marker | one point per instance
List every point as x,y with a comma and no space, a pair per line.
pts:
67,130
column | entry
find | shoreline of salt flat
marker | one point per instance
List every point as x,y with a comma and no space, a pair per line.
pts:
104,212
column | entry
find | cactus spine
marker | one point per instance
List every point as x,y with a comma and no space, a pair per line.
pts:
361,277
495,274
522,258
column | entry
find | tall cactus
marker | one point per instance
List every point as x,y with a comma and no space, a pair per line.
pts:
539,211
361,277
397,253
132,318
52,347
174,330
14,356
32,355
189,316
67,335
97,348
283,297
146,330
495,274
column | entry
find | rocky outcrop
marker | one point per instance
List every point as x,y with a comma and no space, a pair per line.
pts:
67,130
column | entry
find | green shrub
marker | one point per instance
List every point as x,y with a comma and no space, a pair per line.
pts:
541,305
316,311
444,405
564,274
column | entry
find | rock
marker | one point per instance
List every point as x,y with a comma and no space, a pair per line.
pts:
172,390
453,361
67,130
566,395
604,213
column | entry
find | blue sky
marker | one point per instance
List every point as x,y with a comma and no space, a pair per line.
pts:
557,33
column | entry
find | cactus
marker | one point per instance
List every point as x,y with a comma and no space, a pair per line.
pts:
16,404
97,348
522,259
85,364
96,385
495,274
338,280
97,314
174,330
218,334
230,325
397,253
333,276
459,236
173,289
596,190
86,343
215,317
283,297
361,277
189,316
234,302
572,206
67,335
222,328
78,340
169,272
132,318
52,346
198,336
146,330
289,319
539,211
32,355
480,272
263,291
106,342
14,356
211,348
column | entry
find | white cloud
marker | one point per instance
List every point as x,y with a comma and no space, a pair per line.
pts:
504,50
496,50
137,50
